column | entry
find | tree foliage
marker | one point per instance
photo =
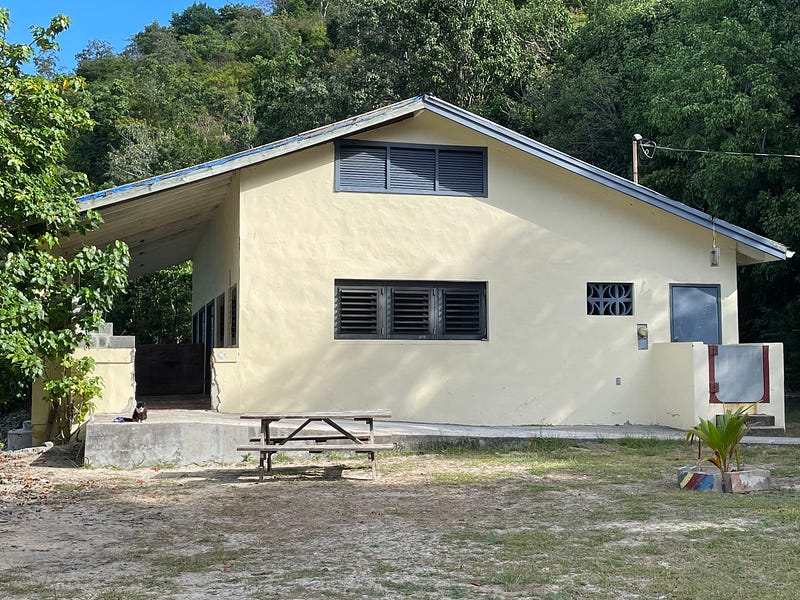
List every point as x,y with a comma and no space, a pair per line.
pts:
582,75
157,308
49,300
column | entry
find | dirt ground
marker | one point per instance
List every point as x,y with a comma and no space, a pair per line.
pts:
430,526
215,532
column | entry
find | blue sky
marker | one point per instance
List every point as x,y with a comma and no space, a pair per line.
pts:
114,21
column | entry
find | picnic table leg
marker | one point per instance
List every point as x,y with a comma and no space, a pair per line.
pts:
261,466
372,441
266,439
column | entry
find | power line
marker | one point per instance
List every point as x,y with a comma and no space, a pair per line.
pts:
649,148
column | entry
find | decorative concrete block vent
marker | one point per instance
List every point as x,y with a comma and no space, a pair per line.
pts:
701,478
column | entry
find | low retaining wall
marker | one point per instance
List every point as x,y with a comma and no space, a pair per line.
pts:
128,445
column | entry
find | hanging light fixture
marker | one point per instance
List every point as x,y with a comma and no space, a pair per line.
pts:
714,255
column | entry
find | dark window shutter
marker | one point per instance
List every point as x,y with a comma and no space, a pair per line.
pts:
357,312
411,312
462,172
412,169
462,313
362,167
234,316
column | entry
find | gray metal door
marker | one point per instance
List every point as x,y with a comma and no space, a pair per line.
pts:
695,313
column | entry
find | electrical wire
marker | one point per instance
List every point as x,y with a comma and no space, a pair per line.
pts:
649,147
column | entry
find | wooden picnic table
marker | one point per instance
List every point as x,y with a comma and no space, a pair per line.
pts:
339,428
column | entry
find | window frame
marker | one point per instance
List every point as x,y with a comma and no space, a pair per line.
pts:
384,311
388,189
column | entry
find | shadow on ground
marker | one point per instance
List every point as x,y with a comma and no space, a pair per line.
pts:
249,474
68,456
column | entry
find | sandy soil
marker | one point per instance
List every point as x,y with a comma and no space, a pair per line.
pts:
431,526
317,530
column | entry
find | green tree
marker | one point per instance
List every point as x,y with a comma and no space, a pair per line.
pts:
357,55
49,301
157,308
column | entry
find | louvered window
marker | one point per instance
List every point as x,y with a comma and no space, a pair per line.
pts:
462,311
418,310
410,169
411,311
357,311
362,167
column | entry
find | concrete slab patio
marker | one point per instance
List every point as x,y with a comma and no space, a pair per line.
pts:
182,437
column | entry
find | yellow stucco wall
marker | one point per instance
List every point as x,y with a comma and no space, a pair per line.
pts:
536,240
115,366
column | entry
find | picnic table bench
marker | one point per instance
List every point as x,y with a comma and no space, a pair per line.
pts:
339,430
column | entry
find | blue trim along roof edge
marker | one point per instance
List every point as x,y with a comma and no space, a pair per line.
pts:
457,115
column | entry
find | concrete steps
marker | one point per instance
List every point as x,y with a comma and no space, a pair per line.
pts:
764,426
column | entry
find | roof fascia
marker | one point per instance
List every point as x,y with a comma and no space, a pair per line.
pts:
525,144
321,135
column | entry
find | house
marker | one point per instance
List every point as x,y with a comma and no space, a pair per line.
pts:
423,259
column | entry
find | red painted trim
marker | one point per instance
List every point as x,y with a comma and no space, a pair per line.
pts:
765,362
713,384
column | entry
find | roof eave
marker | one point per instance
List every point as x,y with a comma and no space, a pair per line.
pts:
772,250
263,153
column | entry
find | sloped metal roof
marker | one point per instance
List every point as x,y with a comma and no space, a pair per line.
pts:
162,217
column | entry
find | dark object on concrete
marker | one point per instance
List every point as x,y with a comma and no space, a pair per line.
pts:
139,413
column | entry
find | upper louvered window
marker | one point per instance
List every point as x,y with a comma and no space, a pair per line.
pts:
411,169
410,310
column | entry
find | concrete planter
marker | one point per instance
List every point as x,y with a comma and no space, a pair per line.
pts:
707,478
749,479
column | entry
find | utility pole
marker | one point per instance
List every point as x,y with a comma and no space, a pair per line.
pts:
636,139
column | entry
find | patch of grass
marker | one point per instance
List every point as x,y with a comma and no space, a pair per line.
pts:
547,444
407,588
171,564
514,578
69,487
122,595
15,585
381,568
649,446
460,447
540,487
